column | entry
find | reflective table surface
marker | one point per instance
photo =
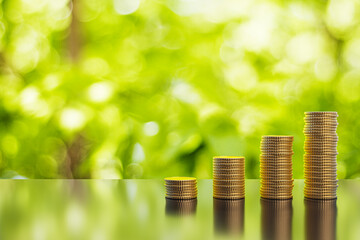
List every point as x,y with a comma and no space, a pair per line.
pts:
137,209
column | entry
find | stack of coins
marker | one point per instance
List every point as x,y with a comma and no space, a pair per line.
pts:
181,187
229,177
180,207
320,155
276,167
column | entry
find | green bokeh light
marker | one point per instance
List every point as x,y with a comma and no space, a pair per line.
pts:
149,88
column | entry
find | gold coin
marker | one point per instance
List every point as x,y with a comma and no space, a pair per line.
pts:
190,191
277,197
180,187
275,182
230,167
320,178
320,163
229,174
331,129
267,142
324,157
318,174
319,185
320,120
229,191
227,164
181,190
221,196
330,137
269,178
275,171
326,140
276,191
233,193
229,157
228,170
320,171
181,197
277,163
185,194
319,191
273,157
171,179
229,188
321,113
276,152
228,177
274,187
276,194
321,197
227,181
277,137
265,148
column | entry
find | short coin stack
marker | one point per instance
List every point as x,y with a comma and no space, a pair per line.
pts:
276,167
320,155
181,187
229,177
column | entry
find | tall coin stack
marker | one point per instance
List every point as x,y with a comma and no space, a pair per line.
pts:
229,177
320,155
181,187
276,167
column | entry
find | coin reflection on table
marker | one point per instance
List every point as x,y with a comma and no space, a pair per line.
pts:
180,206
229,216
320,219
276,219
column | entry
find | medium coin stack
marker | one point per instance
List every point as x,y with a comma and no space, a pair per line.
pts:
229,177
320,155
181,187
276,167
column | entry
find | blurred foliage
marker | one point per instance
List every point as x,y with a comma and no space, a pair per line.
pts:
150,88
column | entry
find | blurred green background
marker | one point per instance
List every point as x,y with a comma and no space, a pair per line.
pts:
150,88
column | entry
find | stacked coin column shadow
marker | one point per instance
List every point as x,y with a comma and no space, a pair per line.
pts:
276,219
320,219
180,206
320,155
229,177
276,167
229,216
